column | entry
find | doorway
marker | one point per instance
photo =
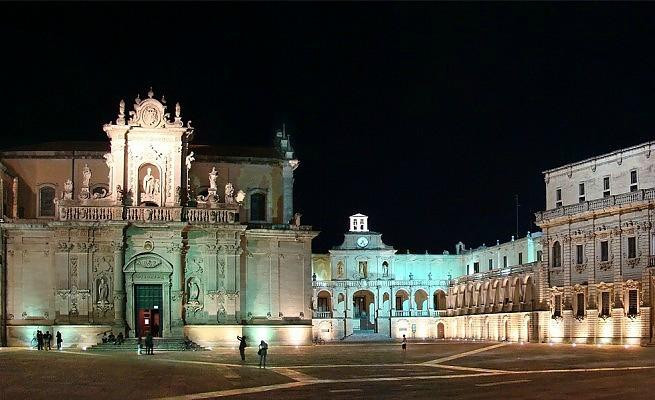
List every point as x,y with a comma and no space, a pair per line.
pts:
364,309
148,310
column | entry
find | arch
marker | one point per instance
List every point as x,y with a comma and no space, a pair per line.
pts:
505,328
516,295
46,201
257,204
401,300
324,301
364,310
557,255
528,293
439,300
441,330
421,299
386,301
385,268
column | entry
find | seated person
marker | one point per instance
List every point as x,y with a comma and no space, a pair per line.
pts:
104,337
120,339
111,337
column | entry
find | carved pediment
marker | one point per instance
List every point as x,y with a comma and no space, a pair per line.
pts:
148,262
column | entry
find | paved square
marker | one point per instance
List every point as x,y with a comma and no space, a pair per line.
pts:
461,370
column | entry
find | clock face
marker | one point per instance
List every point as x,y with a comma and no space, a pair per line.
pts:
362,241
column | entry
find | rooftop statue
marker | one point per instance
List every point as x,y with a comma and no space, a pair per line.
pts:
87,176
212,179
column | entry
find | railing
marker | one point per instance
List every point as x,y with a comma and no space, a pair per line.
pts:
651,261
591,205
322,314
518,269
439,313
401,313
153,214
441,283
90,213
208,215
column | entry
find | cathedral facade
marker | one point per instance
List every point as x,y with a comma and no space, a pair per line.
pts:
149,232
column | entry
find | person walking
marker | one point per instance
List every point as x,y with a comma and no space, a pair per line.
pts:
149,343
263,350
39,340
242,347
139,344
404,344
59,340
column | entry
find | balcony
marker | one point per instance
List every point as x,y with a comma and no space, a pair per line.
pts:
374,283
322,315
518,269
224,214
597,204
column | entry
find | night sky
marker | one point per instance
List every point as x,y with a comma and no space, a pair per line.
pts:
429,118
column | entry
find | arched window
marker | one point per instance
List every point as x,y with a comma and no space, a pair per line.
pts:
258,207
557,255
46,205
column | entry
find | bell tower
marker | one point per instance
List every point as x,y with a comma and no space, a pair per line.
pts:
149,159
358,223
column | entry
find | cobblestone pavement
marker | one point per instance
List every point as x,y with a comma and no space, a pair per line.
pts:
460,370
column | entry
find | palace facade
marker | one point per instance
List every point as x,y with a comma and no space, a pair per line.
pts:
586,278
151,232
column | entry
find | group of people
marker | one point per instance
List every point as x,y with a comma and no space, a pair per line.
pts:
44,340
262,352
113,339
149,342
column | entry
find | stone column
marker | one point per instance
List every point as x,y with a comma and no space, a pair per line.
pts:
119,286
287,183
177,290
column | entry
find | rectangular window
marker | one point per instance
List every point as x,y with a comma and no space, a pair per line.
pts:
581,307
604,251
581,195
606,186
632,302
504,261
633,181
605,304
539,255
399,303
476,267
558,198
520,258
468,269
491,264
632,247
558,306
579,254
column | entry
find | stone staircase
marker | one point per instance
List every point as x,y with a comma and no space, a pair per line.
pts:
129,345
359,337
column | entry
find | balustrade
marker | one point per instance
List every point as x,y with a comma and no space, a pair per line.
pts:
159,214
144,214
591,205
322,314
90,213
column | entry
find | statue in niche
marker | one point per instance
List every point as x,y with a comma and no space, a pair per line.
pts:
68,190
212,179
229,193
385,269
194,291
103,291
87,176
339,269
149,183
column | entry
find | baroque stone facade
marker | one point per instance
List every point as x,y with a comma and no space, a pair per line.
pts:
153,233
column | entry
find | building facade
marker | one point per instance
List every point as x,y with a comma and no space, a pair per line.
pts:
150,232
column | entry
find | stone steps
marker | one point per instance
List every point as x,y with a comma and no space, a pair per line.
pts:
160,344
367,337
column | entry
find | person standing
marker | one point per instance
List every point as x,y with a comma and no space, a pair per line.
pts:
242,347
263,350
59,340
39,340
48,340
139,343
149,343
404,344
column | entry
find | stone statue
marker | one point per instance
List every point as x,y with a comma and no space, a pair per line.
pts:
241,196
385,269
411,276
296,219
339,269
229,193
87,176
119,194
68,190
212,179
429,276
149,182
156,188
121,109
103,291
194,291
178,110
189,160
